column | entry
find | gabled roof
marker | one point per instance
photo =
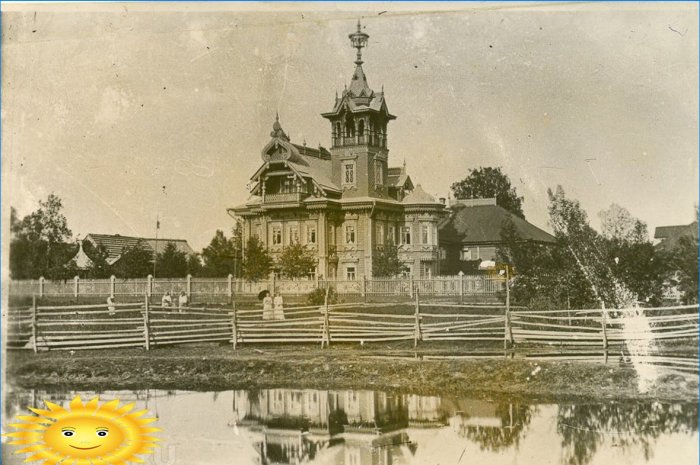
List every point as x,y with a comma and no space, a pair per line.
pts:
670,235
482,224
397,177
304,161
115,243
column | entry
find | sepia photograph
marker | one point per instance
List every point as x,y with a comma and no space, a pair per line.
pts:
352,233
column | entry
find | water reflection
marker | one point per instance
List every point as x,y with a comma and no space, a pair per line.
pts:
362,427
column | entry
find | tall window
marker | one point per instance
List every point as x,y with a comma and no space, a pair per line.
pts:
294,234
380,234
349,234
391,236
378,173
277,235
350,273
406,235
311,234
286,186
349,173
425,233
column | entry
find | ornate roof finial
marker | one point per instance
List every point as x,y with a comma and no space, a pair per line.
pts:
277,130
358,41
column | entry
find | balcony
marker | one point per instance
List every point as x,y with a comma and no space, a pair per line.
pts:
371,139
290,197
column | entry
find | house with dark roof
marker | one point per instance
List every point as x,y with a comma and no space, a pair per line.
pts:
345,202
116,244
669,236
471,234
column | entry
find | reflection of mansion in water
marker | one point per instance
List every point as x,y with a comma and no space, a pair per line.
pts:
350,427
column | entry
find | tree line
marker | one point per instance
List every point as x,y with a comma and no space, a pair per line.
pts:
614,267
41,245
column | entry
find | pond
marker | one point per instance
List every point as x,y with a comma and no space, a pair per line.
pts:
364,427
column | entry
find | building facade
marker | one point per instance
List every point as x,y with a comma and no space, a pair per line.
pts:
347,202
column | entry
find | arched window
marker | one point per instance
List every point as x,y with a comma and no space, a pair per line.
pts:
349,126
361,128
337,130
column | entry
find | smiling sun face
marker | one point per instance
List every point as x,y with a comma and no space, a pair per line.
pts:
85,434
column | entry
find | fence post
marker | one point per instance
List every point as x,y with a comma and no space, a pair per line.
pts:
410,284
34,327
364,287
604,323
146,331
229,289
149,285
41,286
76,286
416,332
507,330
326,336
112,285
234,326
188,287
461,287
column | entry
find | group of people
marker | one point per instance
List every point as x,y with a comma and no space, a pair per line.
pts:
167,300
273,309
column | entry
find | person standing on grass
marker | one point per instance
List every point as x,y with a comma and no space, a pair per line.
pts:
166,301
111,305
268,313
182,301
279,307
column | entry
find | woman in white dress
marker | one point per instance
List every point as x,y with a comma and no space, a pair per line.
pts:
279,307
268,312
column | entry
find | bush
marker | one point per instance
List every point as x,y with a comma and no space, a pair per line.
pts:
318,296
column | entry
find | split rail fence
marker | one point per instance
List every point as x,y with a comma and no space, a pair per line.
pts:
147,326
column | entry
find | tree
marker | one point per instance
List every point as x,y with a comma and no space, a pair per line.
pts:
543,275
487,183
617,223
257,261
220,256
135,262
41,242
297,261
99,268
685,260
194,265
171,263
386,263
587,250
631,254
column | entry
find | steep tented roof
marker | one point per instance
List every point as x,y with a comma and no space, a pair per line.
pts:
483,224
358,84
114,244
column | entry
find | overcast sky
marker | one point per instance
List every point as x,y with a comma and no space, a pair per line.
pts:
104,105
